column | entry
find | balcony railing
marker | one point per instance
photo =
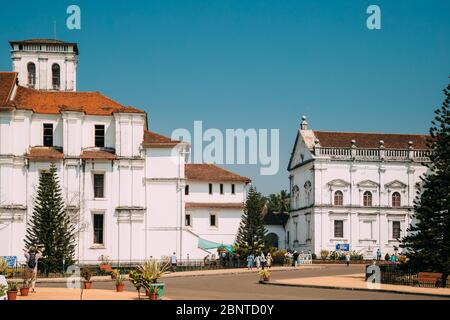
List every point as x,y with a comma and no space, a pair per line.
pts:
373,154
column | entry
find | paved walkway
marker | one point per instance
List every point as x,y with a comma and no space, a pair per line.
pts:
186,273
357,282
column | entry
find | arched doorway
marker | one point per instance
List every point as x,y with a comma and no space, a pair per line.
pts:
272,240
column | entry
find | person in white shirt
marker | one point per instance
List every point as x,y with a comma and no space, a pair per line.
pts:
173,262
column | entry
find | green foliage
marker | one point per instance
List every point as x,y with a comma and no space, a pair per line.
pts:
3,289
337,255
428,241
251,234
3,266
50,225
356,256
86,274
278,202
12,286
152,270
324,254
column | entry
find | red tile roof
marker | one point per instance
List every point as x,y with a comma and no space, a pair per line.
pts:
211,172
228,205
371,140
155,140
97,155
44,154
53,102
7,82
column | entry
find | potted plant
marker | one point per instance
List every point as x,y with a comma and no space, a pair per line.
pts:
153,293
151,271
264,275
136,279
3,290
86,274
120,282
12,290
26,284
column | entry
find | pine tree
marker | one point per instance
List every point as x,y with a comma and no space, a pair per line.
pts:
428,241
50,225
251,234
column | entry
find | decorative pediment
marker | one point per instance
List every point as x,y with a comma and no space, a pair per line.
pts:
396,184
368,184
338,183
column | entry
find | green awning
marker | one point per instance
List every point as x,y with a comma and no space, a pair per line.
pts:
208,245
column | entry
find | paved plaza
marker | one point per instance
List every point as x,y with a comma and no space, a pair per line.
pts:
305,282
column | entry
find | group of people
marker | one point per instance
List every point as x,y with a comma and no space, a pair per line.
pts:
261,261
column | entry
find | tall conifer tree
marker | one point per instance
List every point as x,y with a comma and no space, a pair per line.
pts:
428,241
251,234
50,225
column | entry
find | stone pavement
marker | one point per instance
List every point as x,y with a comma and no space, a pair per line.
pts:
357,282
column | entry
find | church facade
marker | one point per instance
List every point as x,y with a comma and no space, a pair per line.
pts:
129,190
353,191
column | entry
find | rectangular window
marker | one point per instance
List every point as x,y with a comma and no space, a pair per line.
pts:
210,188
221,188
48,134
233,191
99,185
338,228
98,228
396,230
186,190
212,220
99,135
187,220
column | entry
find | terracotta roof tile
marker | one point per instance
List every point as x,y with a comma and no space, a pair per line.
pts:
97,155
211,172
53,102
216,205
152,139
44,154
7,82
371,140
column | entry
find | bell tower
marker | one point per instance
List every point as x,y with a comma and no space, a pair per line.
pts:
45,64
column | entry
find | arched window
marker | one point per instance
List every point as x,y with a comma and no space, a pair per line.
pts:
31,68
56,76
367,199
338,198
396,199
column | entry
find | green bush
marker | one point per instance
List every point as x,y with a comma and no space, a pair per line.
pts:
324,254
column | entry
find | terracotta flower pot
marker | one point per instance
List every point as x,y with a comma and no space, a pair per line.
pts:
12,295
153,296
24,291
119,287
87,284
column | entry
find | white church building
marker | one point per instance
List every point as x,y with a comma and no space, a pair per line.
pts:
129,190
353,190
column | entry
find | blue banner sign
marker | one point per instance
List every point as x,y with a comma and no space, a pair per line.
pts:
343,246
10,260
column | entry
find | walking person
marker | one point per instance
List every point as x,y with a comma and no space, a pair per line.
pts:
378,254
269,260
173,262
263,260
258,261
250,260
347,259
32,255
295,256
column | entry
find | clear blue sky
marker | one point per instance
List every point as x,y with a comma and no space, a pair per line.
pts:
255,64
